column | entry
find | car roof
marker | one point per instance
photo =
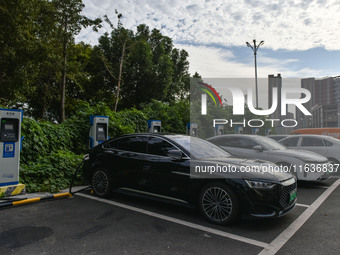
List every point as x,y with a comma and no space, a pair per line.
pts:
236,135
148,134
310,135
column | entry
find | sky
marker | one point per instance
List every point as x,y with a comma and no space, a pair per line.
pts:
301,37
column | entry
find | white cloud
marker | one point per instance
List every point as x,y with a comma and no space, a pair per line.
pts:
282,24
285,24
212,62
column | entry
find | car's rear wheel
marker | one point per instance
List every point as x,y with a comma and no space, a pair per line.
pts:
101,182
218,204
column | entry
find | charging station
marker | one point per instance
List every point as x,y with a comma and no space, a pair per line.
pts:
255,131
154,126
238,130
219,129
10,146
192,129
268,131
99,129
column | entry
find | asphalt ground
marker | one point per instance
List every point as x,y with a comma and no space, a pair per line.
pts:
84,224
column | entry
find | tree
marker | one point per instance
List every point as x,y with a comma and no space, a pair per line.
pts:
144,65
69,23
17,47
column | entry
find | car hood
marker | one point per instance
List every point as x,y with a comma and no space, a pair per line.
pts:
307,156
245,169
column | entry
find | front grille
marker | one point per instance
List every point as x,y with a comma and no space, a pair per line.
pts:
285,195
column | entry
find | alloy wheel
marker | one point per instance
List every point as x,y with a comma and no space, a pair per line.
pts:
217,204
100,183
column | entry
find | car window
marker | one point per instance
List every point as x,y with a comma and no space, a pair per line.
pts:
311,141
226,141
245,143
157,146
327,143
198,148
133,143
290,142
238,142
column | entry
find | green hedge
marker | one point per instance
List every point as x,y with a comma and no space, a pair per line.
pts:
50,173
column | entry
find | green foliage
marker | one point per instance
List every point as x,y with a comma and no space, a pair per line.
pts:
152,68
50,173
42,137
173,116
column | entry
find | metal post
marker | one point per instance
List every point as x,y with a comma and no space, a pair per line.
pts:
255,48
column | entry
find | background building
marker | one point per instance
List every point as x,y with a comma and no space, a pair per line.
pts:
324,104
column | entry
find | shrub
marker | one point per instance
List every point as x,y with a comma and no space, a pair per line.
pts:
50,173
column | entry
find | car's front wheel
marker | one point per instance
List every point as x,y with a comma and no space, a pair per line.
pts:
218,204
101,182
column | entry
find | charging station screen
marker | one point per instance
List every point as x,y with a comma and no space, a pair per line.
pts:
9,130
9,127
101,132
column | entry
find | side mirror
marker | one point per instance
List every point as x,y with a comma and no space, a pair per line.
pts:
175,154
258,148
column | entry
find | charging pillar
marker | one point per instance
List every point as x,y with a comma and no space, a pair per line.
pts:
238,130
255,131
192,129
154,126
10,146
99,129
219,129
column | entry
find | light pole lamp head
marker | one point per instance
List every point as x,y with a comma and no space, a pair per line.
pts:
248,44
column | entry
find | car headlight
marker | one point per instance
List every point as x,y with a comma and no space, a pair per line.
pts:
260,184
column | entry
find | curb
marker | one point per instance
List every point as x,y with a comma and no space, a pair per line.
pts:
33,200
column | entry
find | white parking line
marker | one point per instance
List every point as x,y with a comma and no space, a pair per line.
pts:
302,205
283,238
321,187
178,221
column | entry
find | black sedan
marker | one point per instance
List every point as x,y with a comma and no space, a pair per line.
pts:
188,170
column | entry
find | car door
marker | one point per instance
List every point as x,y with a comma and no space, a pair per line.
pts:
164,176
240,146
125,157
314,144
291,142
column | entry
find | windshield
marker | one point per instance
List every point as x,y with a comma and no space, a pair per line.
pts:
269,143
199,148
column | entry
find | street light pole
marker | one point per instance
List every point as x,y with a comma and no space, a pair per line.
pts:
255,48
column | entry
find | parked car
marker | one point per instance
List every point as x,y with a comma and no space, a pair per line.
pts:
159,167
277,137
260,147
325,145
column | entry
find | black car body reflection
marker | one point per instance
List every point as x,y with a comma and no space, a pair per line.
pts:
158,167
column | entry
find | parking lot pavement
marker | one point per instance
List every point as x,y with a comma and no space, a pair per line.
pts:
85,224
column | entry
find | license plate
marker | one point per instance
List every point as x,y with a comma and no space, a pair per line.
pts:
292,195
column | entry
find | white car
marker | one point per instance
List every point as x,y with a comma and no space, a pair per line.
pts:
324,145
306,165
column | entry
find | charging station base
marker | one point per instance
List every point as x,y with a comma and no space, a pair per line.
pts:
12,190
